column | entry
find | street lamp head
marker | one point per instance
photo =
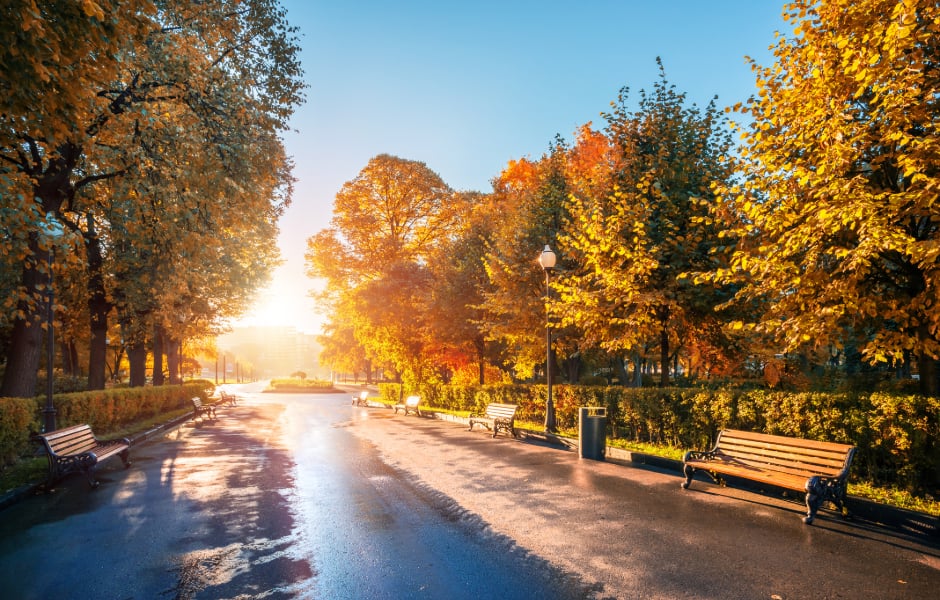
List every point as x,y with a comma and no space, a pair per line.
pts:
547,258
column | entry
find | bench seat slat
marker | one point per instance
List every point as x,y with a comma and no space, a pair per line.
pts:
784,469
808,463
107,451
725,465
785,480
786,450
783,440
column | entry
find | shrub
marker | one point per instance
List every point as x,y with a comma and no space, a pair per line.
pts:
18,418
300,385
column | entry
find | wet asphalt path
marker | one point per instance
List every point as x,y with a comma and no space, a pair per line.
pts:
275,499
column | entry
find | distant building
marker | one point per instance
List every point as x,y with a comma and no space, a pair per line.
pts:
265,352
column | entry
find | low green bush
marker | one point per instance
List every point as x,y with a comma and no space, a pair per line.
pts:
296,384
18,417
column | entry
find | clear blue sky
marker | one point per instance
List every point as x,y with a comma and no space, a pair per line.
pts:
467,86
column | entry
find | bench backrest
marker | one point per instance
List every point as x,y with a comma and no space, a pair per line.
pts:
197,401
412,400
501,411
70,440
364,394
794,456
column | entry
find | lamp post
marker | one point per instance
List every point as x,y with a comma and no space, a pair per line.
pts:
53,229
547,260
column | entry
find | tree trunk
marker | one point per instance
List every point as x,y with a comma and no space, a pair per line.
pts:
552,369
929,376
479,344
70,357
98,309
573,366
51,187
158,351
664,357
663,315
137,357
927,367
173,361
24,353
620,369
118,357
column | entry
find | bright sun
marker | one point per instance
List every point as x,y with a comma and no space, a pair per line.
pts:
277,307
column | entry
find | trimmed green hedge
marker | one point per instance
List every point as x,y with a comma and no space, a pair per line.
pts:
18,417
300,385
898,436
105,410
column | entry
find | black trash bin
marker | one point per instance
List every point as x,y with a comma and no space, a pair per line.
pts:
592,432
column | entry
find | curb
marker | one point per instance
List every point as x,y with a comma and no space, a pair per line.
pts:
15,495
173,424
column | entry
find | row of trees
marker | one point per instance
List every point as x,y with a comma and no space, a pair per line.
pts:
141,172
816,237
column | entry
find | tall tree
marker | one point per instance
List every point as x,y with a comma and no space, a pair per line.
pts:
386,223
458,283
837,212
341,351
530,197
632,242
148,73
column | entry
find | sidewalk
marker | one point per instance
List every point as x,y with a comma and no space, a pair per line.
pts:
631,530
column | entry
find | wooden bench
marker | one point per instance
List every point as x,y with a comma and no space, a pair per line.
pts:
230,399
202,410
362,399
76,450
497,416
411,403
818,468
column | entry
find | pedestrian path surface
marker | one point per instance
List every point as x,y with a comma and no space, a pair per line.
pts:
305,496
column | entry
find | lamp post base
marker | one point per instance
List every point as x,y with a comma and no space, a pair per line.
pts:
48,418
550,425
